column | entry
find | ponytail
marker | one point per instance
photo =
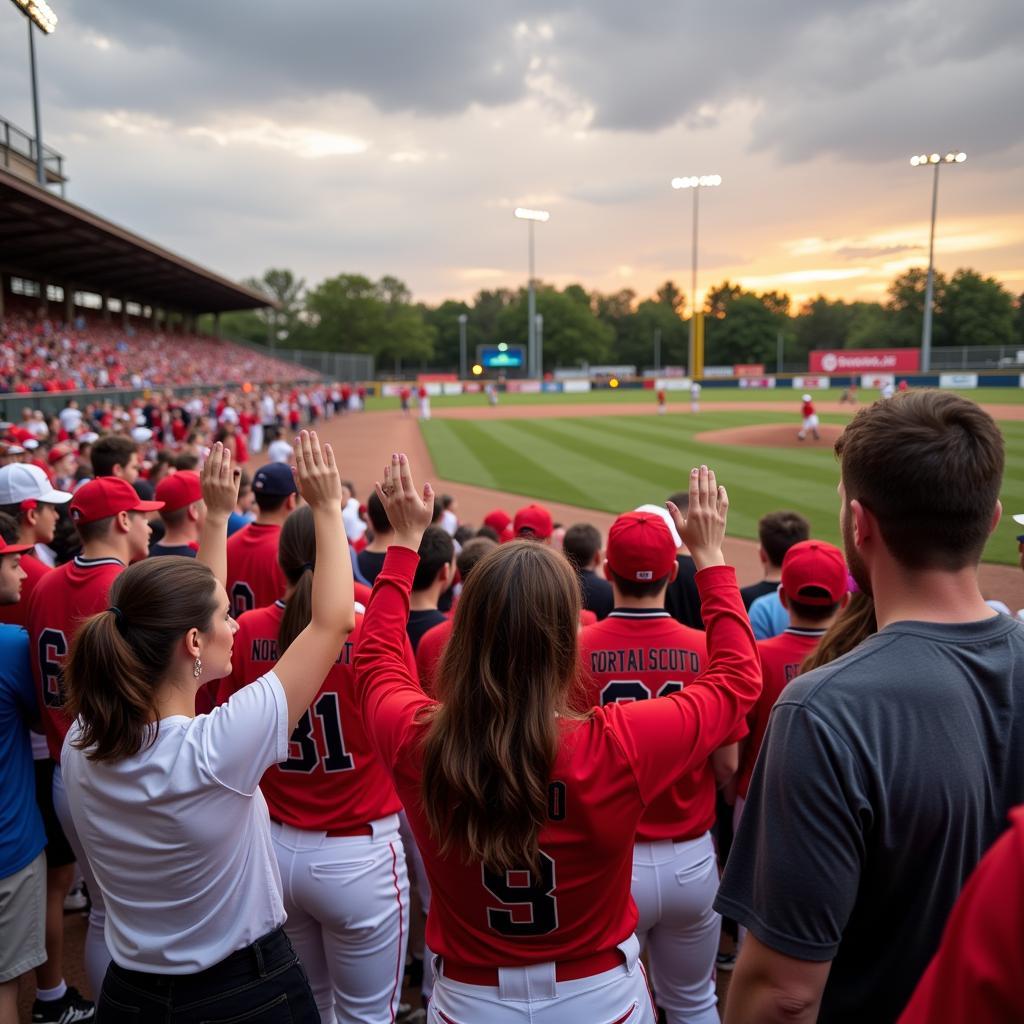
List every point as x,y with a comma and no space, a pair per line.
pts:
296,554
120,657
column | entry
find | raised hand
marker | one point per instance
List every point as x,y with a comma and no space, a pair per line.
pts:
409,511
316,472
703,527
219,480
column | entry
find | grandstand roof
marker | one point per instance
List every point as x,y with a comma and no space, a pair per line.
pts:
43,236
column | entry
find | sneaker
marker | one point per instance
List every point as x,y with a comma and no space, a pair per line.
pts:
77,900
72,1007
725,961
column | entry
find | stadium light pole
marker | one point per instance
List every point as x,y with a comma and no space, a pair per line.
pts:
696,183
38,13
463,319
531,217
934,160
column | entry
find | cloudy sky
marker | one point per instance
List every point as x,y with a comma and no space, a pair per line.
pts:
396,137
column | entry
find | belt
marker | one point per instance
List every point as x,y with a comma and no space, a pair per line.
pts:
338,833
565,970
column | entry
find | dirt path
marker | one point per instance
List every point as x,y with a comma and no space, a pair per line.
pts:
364,443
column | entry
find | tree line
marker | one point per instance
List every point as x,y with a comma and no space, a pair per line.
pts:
352,313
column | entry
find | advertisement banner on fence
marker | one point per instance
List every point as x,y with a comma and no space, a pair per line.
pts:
434,387
877,380
958,380
453,387
425,378
391,390
531,387
864,360
748,370
717,371
552,387
673,384
472,387
757,382
812,383
575,386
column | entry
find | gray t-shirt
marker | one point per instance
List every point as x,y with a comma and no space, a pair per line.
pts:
882,780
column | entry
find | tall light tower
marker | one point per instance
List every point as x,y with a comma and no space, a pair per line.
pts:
463,320
532,361
696,183
39,13
934,160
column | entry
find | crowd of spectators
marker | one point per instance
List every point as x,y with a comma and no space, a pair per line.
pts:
39,355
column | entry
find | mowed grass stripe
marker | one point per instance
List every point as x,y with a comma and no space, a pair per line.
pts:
440,435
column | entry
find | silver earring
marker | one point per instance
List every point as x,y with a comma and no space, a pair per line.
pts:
197,667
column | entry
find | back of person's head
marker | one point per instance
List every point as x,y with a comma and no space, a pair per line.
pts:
377,515
464,534
854,624
296,554
473,551
272,486
581,544
489,533
681,500
509,669
119,659
779,531
814,581
446,502
640,560
108,452
185,461
437,550
8,528
928,466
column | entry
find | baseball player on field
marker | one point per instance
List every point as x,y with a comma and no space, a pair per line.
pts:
810,419
639,653
524,807
333,812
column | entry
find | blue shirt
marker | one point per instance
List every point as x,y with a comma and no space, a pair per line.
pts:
768,617
21,827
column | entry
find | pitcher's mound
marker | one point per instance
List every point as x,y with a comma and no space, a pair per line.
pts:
772,435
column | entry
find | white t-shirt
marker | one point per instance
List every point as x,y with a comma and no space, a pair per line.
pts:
178,836
280,451
70,418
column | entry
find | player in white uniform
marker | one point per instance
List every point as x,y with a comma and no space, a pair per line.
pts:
695,397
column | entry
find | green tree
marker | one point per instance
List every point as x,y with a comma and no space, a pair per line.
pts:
821,323
669,295
578,293
906,308
634,338
572,334
977,310
487,309
870,327
718,298
445,320
614,308
1018,320
748,333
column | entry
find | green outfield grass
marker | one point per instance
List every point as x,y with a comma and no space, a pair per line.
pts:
618,463
784,396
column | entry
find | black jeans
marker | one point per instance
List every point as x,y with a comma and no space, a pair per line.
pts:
263,982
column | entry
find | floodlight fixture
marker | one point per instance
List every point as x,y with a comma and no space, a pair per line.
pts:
524,214
40,12
934,160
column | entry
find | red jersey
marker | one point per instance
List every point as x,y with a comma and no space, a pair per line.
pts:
254,577
428,654
62,599
362,593
781,658
808,409
17,614
636,654
976,974
609,767
333,778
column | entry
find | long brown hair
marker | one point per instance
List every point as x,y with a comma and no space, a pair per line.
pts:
119,658
509,669
856,622
296,554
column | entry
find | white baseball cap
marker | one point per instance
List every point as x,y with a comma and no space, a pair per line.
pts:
660,510
140,435
1019,519
806,398
24,482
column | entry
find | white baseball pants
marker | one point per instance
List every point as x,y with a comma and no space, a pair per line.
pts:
347,900
531,994
674,887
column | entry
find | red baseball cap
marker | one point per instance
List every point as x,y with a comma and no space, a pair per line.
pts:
816,566
179,490
14,549
501,523
106,496
640,547
58,452
535,520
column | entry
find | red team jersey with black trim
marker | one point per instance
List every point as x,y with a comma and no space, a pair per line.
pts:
636,655
428,654
333,778
17,614
781,658
808,409
61,601
254,577
610,766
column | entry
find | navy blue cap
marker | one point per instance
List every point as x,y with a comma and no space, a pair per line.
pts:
275,479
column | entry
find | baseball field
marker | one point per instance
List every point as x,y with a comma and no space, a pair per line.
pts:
610,451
